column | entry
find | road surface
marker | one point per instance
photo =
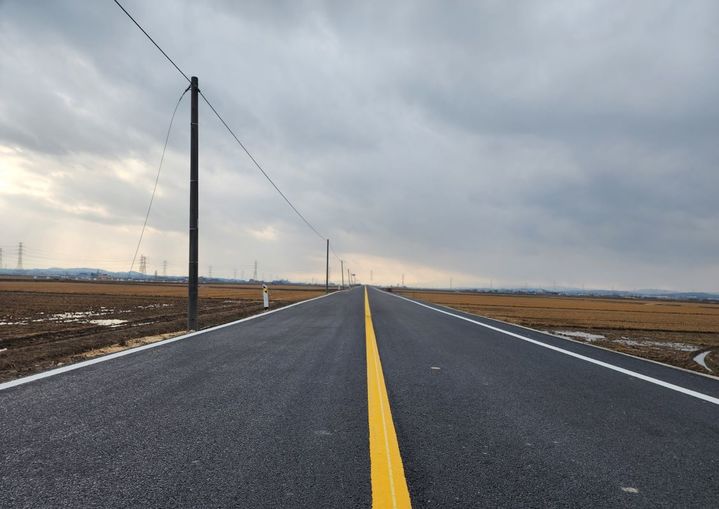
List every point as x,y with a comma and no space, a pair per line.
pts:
333,403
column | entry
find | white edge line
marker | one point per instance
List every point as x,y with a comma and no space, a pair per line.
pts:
634,374
577,341
90,362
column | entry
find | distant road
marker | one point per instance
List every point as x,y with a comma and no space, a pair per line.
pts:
286,410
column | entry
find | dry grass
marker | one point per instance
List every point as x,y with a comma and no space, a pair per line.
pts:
659,328
136,289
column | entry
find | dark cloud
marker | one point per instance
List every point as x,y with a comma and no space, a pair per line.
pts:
513,142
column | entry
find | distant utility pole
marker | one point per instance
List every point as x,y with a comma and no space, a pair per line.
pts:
254,274
194,206
164,268
402,280
342,269
327,268
349,279
19,256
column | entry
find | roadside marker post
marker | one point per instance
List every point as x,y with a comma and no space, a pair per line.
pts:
266,297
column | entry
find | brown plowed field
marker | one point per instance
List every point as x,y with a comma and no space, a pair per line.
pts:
674,332
47,323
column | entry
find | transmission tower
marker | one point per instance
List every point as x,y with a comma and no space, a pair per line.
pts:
164,268
19,256
254,274
143,265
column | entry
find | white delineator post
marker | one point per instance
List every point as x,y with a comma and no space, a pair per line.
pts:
265,296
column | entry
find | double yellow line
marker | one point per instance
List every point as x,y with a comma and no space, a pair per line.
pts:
389,486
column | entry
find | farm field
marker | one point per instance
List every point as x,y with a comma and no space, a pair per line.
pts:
45,323
681,333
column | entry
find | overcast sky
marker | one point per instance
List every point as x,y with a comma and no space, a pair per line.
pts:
505,143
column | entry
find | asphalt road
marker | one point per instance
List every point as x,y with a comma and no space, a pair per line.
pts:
273,412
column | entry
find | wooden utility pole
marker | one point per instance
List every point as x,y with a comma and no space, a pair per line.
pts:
327,268
194,208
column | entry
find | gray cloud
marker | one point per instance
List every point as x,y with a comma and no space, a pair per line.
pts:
513,142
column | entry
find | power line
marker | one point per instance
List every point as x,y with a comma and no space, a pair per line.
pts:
157,179
232,133
153,41
259,167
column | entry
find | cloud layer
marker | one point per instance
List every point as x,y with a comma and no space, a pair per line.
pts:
515,143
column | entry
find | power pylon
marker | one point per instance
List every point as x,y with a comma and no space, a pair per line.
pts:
19,256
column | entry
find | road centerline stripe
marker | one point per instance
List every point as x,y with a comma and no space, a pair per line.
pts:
389,486
646,378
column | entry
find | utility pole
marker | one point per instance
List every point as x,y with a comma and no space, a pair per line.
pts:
254,274
194,207
164,268
342,269
349,279
402,280
19,256
450,283
327,268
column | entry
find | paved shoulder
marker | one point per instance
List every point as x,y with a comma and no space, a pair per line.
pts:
267,413
486,419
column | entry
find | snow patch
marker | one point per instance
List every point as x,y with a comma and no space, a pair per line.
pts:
701,360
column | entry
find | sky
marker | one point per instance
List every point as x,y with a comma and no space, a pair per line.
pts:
511,144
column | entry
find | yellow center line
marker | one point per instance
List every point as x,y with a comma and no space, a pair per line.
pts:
389,486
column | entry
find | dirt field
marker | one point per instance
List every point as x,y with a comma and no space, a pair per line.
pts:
674,332
44,324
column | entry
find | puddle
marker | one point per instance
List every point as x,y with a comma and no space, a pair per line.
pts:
586,336
682,347
108,322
